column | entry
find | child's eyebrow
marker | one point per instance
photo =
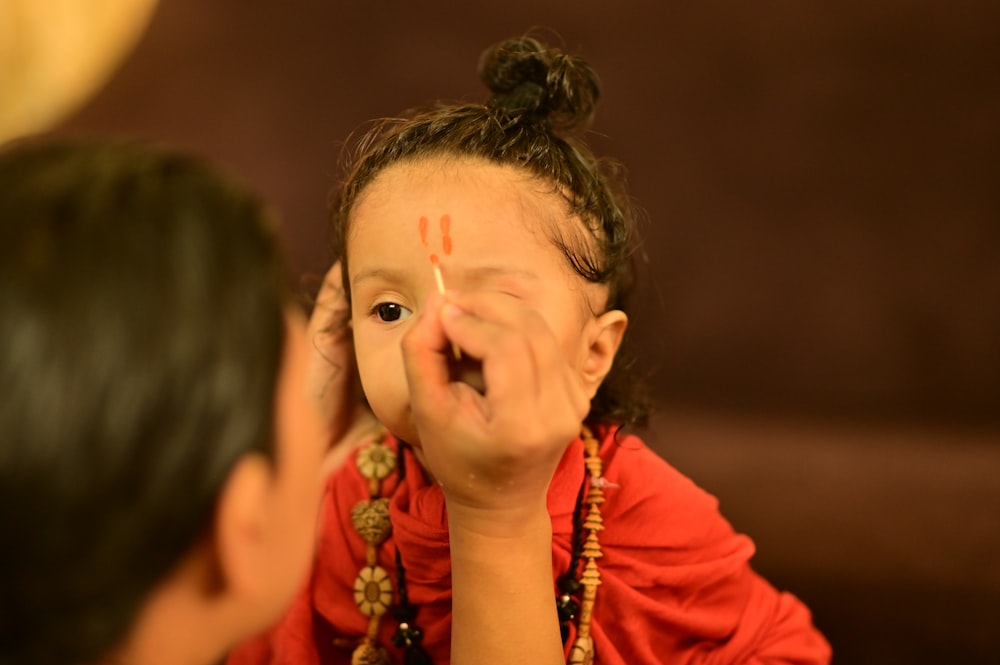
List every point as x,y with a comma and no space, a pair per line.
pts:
385,274
484,273
469,275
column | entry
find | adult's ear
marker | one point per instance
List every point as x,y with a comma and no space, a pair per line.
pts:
242,543
215,596
603,339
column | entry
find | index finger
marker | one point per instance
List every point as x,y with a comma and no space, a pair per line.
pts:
424,358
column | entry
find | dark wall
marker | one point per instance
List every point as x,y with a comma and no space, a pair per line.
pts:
819,180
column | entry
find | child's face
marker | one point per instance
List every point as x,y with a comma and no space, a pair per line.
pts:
490,228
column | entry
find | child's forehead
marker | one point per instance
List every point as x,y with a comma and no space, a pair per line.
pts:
475,206
463,173
466,189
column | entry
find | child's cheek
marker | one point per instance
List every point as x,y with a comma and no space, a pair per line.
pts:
383,379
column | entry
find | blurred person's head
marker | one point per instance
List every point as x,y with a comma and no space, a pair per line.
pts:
158,457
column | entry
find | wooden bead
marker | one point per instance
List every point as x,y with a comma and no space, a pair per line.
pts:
582,652
376,461
373,591
371,520
370,654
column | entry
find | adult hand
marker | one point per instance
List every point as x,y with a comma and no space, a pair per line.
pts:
332,380
493,446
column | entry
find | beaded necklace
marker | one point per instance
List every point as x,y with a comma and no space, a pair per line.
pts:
373,587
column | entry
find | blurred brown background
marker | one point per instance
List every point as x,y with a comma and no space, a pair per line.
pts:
820,310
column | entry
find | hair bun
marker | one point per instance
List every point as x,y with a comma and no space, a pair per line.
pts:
527,77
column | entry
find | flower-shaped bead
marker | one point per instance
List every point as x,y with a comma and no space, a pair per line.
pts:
376,461
373,591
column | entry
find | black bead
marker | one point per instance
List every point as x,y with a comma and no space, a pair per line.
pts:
407,635
416,656
567,608
569,584
404,613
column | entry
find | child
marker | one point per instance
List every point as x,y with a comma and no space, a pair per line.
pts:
159,456
503,205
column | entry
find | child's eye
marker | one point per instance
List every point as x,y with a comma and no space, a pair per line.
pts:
390,311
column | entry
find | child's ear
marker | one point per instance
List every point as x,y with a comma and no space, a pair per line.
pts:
606,336
242,538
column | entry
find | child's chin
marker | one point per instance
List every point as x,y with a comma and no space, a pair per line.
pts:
399,422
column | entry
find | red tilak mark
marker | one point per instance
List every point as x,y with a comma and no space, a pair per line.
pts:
445,238
423,231
436,262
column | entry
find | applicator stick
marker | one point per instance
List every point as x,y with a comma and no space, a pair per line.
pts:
440,285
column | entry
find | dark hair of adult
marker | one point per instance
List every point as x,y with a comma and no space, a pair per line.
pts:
142,303
542,100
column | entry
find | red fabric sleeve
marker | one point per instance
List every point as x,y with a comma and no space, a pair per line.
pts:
676,581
